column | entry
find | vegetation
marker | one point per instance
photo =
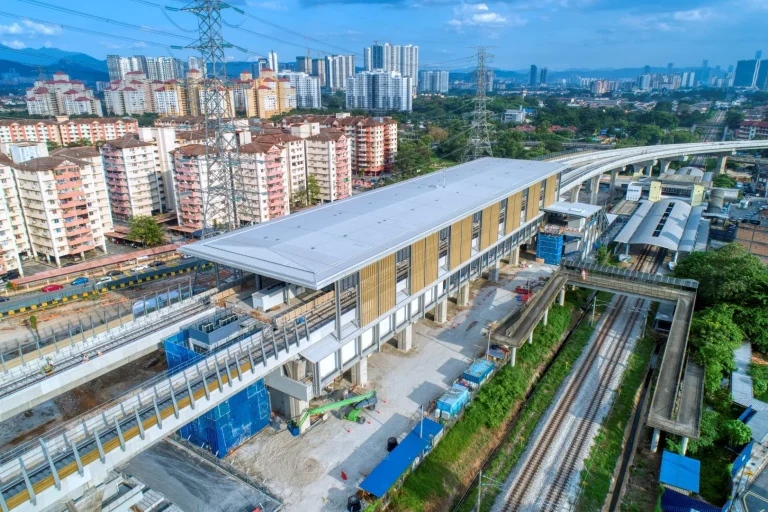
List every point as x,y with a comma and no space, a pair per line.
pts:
735,432
723,181
33,324
452,464
146,119
597,478
733,118
313,190
759,374
146,230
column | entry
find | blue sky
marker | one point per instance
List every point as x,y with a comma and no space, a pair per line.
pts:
558,34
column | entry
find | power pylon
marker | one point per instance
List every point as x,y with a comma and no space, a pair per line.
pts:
479,143
225,204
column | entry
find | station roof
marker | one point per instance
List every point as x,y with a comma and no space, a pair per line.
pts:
668,223
317,246
582,210
680,472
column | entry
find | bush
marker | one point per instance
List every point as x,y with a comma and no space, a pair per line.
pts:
759,374
735,432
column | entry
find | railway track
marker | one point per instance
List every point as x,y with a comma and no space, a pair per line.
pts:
558,484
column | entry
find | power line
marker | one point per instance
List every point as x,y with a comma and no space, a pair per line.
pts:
480,138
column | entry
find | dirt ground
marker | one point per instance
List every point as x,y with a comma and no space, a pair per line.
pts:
306,472
48,415
642,485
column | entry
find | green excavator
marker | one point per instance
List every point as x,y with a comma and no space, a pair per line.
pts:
358,403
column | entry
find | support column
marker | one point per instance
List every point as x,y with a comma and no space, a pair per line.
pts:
514,256
493,272
561,297
655,440
512,356
530,338
441,312
575,193
58,260
683,445
360,372
595,188
664,166
674,257
404,339
463,298
720,166
614,173
638,169
546,316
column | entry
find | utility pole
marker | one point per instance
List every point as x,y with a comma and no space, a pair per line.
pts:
225,205
479,144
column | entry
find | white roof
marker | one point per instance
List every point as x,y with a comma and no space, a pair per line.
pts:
583,210
661,224
315,247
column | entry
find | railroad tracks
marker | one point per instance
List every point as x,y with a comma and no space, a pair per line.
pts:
555,485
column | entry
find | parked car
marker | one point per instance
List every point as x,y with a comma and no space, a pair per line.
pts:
157,264
12,274
114,273
104,280
140,268
79,281
756,222
4,299
52,288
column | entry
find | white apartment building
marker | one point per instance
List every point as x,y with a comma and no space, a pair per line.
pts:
134,95
294,155
61,96
387,57
380,91
60,201
135,182
307,89
329,162
272,61
14,242
433,82
339,68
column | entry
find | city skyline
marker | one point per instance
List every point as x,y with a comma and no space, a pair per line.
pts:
444,30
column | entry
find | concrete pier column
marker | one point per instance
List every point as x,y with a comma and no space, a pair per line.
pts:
404,339
720,166
530,338
638,169
674,256
493,272
683,445
655,440
441,312
360,372
512,356
514,256
561,297
664,166
614,173
575,193
463,298
595,188
546,316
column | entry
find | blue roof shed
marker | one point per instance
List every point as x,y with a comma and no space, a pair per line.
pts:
418,442
680,472
453,400
478,371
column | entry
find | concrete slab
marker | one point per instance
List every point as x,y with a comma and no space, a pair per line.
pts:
306,472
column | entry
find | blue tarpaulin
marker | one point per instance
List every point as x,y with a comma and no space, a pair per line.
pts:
478,371
680,472
384,476
672,501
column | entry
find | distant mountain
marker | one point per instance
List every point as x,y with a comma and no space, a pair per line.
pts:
74,70
607,73
51,56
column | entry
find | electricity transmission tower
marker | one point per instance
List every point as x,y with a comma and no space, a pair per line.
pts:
479,143
225,203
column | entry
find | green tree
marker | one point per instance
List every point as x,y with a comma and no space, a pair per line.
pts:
33,324
52,145
313,190
602,254
733,118
412,158
709,431
146,230
723,181
753,320
80,143
715,335
735,432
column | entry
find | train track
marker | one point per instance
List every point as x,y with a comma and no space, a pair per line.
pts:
580,437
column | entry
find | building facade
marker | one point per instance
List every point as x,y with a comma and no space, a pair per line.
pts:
329,162
14,241
387,57
65,131
339,69
307,89
433,82
265,96
380,91
61,96
749,130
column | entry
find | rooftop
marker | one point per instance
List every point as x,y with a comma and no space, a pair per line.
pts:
317,246
664,223
574,209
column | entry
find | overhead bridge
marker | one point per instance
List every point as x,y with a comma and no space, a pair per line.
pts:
676,405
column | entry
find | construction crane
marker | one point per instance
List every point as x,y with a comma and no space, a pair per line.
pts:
358,403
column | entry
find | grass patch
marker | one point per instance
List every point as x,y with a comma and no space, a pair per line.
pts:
596,479
715,483
454,462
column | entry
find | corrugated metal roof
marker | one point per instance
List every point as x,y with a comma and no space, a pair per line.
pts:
661,224
317,246
691,230
680,472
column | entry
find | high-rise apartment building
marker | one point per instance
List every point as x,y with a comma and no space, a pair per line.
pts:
746,73
135,182
704,73
433,82
133,95
14,241
155,68
62,199
304,64
272,61
61,96
339,68
307,89
294,156
387,57
319,70
192,63
65,131
761,80
533,75
256,67
265,96
329,162
380,91
543,76
171,99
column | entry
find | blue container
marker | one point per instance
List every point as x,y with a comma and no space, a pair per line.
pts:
550,248
478,371
451,403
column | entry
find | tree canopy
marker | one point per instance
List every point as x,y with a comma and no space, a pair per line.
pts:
146,230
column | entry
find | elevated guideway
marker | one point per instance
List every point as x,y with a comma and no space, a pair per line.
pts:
25,382
676,405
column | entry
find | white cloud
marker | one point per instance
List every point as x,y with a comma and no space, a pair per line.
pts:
475,15
14,28
667,22
702,14
41,28
15,44
270,6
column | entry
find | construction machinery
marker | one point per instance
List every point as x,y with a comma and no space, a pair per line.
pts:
358,403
